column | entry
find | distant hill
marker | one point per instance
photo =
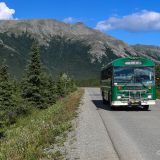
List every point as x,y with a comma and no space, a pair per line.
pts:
72,48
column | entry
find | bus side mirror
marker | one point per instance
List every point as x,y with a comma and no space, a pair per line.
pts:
108,76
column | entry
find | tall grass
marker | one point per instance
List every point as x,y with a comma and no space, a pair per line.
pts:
27,139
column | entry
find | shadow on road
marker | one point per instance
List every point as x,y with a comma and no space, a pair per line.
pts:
99,104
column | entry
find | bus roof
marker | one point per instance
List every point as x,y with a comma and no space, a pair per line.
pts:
131,61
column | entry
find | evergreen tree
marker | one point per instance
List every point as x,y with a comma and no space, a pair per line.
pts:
6,90
53,96
7,105
62,85
32,82
49,88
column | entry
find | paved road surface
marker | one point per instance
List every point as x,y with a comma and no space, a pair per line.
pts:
130,134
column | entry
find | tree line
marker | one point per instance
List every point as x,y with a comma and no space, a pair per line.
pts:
36,90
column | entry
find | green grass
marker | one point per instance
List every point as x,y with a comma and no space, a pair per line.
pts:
27,139
88,83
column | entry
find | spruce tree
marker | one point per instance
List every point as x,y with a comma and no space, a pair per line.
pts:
7,104
49,88
32,82
53,96
6,90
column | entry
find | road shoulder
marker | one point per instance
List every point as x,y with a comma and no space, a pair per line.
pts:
92,140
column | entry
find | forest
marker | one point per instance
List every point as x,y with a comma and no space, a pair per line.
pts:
37,89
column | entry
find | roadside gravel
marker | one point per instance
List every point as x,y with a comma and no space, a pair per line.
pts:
90,140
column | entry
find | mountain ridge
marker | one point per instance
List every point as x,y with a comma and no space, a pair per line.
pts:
62,45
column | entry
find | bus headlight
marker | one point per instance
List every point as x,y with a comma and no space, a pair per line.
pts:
149,96
119,97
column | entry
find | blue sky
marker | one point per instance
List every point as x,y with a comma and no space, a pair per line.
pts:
136,21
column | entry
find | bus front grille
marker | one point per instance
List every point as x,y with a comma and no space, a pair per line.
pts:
137,95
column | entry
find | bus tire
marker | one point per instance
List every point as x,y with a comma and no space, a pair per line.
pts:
112,107
104,101
109,101
146,108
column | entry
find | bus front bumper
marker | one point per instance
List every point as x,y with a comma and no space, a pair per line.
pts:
127,103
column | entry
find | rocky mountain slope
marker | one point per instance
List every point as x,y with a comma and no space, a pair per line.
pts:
148,51
73,48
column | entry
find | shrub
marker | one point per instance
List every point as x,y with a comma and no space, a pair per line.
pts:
65,85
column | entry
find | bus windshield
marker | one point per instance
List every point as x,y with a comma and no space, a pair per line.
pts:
130,75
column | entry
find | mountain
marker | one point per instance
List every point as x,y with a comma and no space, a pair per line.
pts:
149,51
73,48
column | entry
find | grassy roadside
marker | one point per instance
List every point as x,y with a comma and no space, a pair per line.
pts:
27,139
88,83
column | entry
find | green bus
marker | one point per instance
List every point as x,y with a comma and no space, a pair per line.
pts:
129,82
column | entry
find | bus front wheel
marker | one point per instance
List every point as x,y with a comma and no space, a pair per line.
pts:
103,99
145,108
112,107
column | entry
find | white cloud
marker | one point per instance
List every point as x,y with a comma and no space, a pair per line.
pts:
70,20
5,12
137,22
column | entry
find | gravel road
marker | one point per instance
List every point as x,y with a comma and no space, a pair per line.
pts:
103,134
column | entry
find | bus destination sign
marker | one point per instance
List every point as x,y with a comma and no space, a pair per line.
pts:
133,63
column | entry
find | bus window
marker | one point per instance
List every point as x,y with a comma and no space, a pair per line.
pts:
143,75
107,73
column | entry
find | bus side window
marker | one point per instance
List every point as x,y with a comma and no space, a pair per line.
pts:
106,74
110,76
109,73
